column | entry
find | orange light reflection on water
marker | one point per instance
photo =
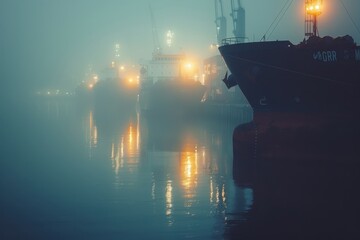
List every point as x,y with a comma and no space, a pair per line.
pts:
169,197
93,132
126,149
189,173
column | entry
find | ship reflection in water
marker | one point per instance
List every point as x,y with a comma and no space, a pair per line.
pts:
94,174
305,183
172,178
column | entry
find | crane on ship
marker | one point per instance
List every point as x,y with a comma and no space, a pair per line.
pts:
220,21
238,16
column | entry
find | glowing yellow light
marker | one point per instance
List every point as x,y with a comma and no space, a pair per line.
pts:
91,85
188,69
214,46
314,7
122,68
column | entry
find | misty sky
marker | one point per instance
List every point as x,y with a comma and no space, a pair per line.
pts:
50,43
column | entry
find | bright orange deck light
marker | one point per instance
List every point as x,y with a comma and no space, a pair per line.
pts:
314,7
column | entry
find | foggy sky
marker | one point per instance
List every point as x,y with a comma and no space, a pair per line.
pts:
51,43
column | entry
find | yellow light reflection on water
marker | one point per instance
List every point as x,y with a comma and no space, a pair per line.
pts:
93,132
124,152
112,151
169,197
217,193
130,136
137,131
188,173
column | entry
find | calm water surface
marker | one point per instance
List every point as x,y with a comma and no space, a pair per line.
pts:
69,171
74,172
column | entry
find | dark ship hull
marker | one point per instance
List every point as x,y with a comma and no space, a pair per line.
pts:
305,98
108,96
319,76
168,85
172,96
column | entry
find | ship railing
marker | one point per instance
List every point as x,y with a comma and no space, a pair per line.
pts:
233,40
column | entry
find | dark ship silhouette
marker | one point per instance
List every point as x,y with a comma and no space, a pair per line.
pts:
168,85
319,76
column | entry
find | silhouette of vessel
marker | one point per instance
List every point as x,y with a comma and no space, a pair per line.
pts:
169,83
320,75
115,88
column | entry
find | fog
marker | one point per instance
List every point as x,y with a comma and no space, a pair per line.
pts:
101,161
51,43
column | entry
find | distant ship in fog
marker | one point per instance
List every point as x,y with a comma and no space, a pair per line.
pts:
320,75
114,87
170,82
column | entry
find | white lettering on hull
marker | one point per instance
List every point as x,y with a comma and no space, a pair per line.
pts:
263,101
325,56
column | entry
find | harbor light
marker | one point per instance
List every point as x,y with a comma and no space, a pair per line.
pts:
189,70
313,7
188,66
214,46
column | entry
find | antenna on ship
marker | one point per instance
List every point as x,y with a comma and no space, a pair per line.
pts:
313,9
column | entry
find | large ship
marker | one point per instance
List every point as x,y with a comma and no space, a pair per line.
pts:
114,88
170,82
319,76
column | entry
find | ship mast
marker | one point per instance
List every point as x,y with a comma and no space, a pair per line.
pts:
313,9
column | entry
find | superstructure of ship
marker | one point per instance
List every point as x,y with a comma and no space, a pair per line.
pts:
169,82
117,87
320,76
114,87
